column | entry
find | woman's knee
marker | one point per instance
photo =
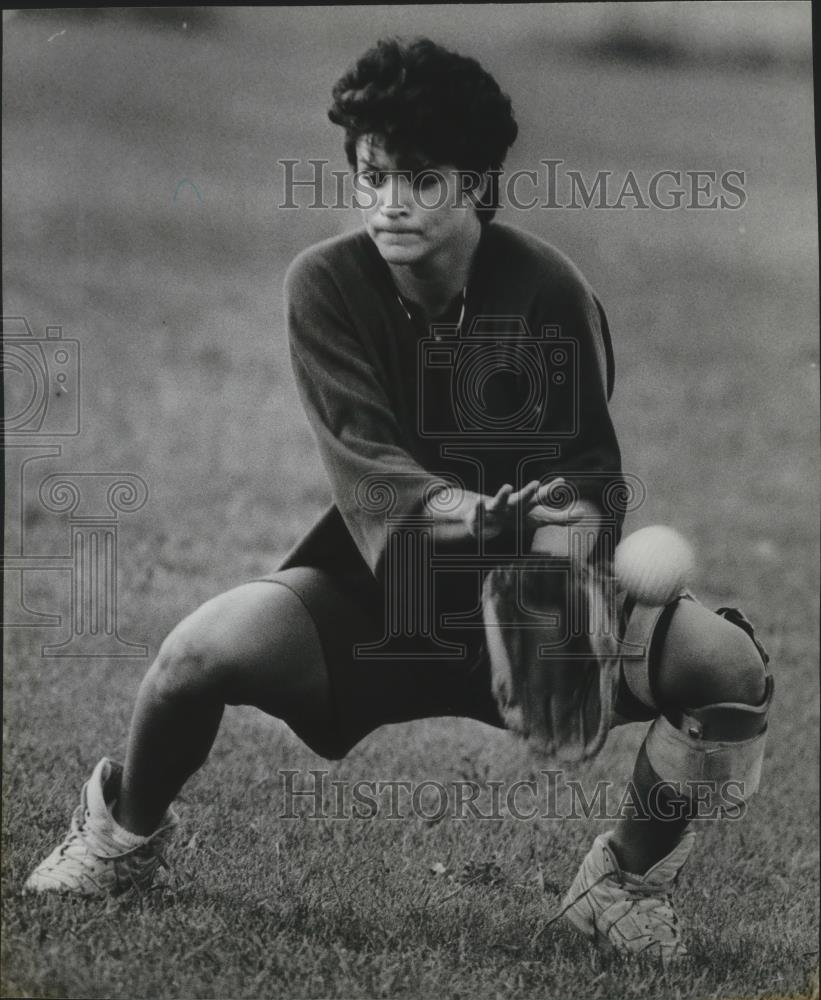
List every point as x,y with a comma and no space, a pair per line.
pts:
248,645
706,660
185,667
255,645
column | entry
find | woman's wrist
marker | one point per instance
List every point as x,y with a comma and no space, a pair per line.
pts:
453,516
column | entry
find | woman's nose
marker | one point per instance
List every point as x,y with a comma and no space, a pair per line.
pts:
396,196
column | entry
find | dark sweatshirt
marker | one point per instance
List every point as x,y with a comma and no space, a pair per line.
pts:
520,392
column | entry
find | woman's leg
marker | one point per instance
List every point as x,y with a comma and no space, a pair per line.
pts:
287,647
703,660
708,682
254,645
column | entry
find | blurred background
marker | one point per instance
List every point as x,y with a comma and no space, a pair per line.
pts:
140,213
141,185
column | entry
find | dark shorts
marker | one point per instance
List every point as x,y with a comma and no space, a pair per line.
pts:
375,682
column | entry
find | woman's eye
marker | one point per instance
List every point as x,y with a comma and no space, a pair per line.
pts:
375,178
426,179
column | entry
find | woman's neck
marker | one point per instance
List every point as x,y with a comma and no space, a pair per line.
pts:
433,284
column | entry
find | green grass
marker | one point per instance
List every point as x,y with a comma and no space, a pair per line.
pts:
178,308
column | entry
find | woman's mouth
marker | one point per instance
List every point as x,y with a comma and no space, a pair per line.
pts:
383,231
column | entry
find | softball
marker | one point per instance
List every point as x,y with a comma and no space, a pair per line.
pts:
653,565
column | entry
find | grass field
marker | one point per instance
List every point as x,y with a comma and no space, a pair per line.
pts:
177,304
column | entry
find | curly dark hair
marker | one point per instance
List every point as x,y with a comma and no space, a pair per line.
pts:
419,98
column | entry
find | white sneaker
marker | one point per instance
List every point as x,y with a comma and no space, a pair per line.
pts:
631,914
98,856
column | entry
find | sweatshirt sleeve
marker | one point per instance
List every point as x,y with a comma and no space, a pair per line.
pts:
590,458
360,441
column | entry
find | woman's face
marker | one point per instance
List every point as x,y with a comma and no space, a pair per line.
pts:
414,216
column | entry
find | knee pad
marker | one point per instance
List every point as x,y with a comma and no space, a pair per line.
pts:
715,744
645,630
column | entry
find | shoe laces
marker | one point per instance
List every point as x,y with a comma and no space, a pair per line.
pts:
572,902
77,834
659,896
83,835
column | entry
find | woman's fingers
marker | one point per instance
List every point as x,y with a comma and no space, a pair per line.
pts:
553,515
552,491
536,496
525,494
507,499
499,502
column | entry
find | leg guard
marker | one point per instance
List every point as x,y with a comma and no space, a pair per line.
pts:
642,632
715,744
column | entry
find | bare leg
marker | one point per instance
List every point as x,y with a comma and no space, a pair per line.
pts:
704,660
254,645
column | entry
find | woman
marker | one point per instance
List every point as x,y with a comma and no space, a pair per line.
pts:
456,373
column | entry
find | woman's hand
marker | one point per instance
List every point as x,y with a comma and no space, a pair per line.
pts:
491,516
553,523
549,505
545,508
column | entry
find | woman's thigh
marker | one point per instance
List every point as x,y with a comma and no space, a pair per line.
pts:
368,687
253,645
295,646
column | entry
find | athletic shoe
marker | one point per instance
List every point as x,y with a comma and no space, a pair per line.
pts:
98,857
631,914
